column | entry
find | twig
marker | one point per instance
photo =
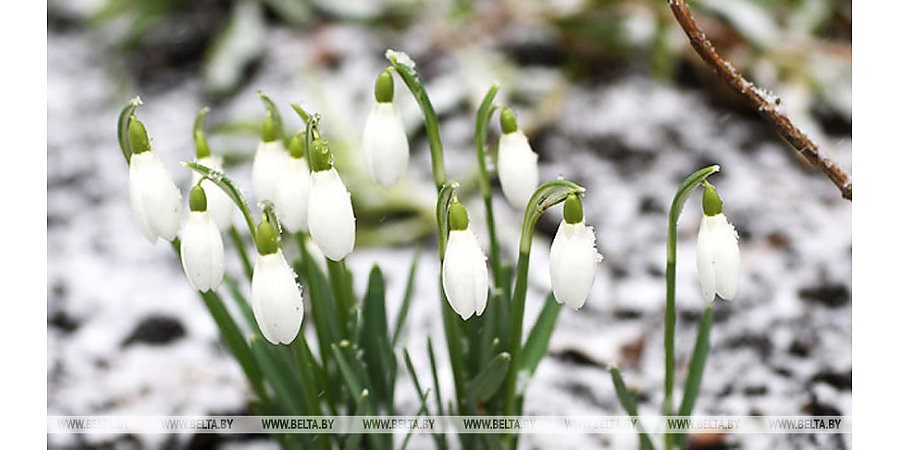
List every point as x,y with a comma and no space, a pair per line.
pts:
766,104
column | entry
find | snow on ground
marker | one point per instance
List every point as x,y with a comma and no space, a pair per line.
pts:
128,336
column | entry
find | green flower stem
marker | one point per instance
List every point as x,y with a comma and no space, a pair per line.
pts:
546,195
484,181
242,251
695,370
338,276
417,89
308,383
681,196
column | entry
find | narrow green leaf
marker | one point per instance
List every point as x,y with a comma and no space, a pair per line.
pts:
435,378
486,383
321,301
234,341
419,413
362,409
372,336
349,372
439,439
695,370
539,338
343,304
286,393
626,399
407,299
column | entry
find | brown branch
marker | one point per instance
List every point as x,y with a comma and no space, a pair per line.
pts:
765,103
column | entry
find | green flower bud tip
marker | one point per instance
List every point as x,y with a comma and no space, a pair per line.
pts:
384,88
572,210
508,121
297,147
266,240
137,136
269,133
320,156
197,199
200,145
459,218
712,204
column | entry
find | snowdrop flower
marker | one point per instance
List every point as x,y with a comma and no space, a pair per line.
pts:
218,203
718,257
573,256
516,162
155,200
332,224
276,298
268,162
202,252
464,273
385,147
292,192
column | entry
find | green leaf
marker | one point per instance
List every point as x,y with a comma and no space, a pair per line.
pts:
350,368
434,377
539,338
486,383
373,336
439,439
695,370
407,299
230,188
626,399
362,409
286,393
122,127
321,301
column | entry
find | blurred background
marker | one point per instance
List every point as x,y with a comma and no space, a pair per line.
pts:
612,97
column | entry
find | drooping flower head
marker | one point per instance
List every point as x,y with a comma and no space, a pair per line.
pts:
464,273
292,193
385,147
155,200
268,162
517,165
276,297
202,251
332,223
718,257
573,256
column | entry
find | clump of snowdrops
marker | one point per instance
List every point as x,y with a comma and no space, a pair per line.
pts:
352,368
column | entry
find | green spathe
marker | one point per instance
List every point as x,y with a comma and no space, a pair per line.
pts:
197,199
266,238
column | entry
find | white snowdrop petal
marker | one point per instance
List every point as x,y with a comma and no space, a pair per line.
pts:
728,260
202,252
573,263
517,168
706,269
218,203
277,299
155,198
464,274
268,163
292,195
135,194
331,220
385,146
